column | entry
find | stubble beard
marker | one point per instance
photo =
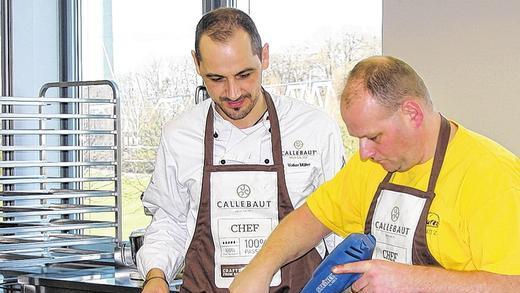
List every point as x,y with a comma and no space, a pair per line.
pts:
238,113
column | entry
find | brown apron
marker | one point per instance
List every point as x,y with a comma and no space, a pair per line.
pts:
199,272
396,222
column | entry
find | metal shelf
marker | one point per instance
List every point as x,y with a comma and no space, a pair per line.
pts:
48,101
54,255
54,132
16,244
54,194
44,179
21,164
57,148
53,225
56,152
54,116
53,209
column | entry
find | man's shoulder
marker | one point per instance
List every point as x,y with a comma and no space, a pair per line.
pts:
190,120
483,159
471,145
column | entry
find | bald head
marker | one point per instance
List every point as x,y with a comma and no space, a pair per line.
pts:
388,80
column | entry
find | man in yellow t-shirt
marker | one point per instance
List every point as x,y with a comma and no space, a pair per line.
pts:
442,202
474,221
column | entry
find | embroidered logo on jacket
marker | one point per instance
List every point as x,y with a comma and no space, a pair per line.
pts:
299,153
433,220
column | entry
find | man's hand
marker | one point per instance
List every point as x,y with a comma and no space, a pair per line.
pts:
380,276
155,282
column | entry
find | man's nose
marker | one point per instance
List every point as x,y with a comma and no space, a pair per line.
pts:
233,90
366,150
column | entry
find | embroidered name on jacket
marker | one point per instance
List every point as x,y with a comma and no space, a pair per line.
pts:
300,152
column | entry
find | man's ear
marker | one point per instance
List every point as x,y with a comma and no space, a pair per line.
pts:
413,112
195,61
265,56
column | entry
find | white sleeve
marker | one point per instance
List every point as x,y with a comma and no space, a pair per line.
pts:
332,160
166,236
333,154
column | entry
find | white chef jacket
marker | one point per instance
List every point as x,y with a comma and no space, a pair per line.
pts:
312,152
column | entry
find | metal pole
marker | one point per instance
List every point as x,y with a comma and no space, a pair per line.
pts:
7,83
7,48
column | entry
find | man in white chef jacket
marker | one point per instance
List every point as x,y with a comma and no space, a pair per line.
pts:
227,171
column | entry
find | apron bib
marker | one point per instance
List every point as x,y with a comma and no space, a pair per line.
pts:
239,207
244,209
397,214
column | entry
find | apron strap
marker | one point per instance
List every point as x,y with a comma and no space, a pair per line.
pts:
387,177
276,141
440,152
208,138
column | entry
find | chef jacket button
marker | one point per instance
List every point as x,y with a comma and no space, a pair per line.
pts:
222,162
266,161
215,135
269,129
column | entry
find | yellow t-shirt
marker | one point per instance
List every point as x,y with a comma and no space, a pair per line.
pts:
474,220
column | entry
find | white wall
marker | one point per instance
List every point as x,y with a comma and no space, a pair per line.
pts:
468,53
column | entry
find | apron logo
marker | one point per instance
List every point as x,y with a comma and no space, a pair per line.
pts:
395,214
433,220
230,271
243,190
298,144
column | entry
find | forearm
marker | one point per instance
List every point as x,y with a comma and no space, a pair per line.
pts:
391,277
445,281
299,232
163,246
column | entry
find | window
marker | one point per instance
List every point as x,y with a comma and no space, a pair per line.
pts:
145,47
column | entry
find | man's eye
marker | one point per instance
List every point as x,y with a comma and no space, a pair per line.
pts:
244,75
216,79
374,138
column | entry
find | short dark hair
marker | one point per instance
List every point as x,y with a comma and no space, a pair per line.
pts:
221,23
389,80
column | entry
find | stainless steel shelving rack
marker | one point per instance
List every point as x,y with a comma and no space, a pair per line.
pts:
60,197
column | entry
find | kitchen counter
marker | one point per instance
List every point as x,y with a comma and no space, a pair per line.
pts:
96,279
